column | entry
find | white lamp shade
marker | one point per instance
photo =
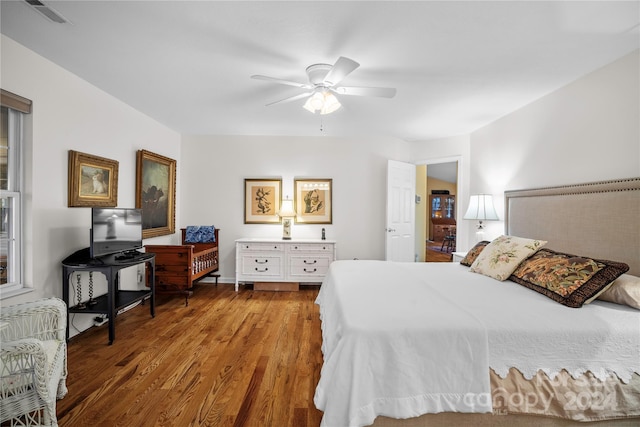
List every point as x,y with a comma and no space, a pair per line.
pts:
481,208
286,209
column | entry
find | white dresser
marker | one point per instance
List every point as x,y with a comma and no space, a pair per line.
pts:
277,260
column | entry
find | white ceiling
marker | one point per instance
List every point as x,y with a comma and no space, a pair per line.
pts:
457,66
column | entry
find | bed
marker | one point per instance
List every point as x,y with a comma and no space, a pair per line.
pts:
434,344
178,267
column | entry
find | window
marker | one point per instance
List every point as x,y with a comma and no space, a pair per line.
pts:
11,126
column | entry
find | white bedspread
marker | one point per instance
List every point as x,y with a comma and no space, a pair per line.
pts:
404,339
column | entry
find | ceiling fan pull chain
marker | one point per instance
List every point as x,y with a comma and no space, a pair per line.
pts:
321,129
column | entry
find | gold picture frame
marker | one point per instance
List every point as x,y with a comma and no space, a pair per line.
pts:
312,200
262,200
93,181
156,193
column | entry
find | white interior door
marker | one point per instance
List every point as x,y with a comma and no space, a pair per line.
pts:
401,211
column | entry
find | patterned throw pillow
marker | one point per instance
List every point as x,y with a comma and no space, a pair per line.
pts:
568,279
473,253
503,255
200,234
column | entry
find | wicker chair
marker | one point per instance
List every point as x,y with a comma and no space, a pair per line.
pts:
33,362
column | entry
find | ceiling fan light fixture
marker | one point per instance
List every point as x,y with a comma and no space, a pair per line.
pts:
324,81
322,102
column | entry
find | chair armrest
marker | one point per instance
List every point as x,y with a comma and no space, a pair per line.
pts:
44,319
23,363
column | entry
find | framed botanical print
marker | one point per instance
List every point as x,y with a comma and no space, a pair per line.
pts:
313,201
156,193
262,200
93,181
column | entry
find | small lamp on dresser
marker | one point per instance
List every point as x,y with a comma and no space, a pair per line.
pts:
481,208
287,213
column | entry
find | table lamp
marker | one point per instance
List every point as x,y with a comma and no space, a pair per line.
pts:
287,213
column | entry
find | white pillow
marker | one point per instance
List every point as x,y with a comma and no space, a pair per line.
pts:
624,290
502,256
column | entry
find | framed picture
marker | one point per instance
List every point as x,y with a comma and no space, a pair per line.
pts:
93,181
156,193
313,201
262,200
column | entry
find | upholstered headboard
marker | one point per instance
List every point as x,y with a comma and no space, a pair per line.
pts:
599,219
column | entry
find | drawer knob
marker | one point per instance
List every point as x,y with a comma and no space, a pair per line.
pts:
307,262
262,271
262,262
310,271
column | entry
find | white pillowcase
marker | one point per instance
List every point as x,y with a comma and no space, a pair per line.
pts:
502,256
624,290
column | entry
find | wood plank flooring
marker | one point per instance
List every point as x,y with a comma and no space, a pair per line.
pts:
436,255
250,358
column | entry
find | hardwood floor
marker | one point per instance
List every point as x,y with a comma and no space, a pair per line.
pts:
433,253
250,358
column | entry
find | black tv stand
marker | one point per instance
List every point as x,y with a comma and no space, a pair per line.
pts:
115,299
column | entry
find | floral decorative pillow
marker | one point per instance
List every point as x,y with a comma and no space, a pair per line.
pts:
502,256
473,253
568,279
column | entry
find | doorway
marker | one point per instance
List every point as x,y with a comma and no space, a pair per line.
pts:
436,213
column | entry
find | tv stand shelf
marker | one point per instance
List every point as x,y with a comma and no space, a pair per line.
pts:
115,299
101,306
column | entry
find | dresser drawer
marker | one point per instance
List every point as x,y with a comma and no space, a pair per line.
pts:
310,247
309,266
261,246
302,272
310,261
259,265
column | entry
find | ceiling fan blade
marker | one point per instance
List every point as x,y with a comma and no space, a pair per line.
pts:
340,70
382,92
282,82
291,98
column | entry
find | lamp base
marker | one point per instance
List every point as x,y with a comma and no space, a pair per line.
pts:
286,238
480,232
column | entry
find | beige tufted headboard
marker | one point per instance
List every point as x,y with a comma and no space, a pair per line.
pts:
599,219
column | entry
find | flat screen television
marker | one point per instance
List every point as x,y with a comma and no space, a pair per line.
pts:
115,230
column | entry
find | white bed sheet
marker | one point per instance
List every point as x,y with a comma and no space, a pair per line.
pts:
392,346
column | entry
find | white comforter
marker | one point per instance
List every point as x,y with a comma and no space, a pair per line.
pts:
404,339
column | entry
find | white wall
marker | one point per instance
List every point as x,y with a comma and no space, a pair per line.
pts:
70,114
586,131
216,166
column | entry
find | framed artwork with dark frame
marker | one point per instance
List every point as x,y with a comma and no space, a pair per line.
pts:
93,181
312,201
156,193
262,200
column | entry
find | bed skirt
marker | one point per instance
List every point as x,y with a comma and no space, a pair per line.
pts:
541,402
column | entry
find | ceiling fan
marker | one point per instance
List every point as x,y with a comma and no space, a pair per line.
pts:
324,82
